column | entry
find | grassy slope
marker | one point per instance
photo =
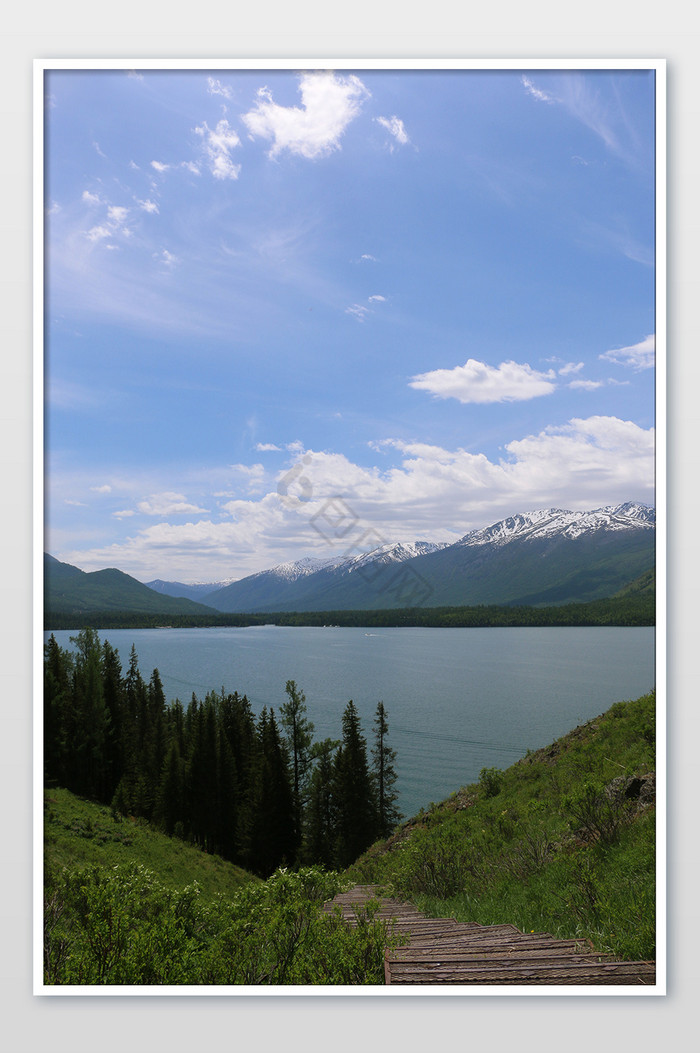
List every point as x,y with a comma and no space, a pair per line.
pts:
79,833
519,855
516,855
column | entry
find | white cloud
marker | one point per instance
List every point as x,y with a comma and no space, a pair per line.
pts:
105,489
168,504
90,199
218,145
395,127
99,232
215,87
585,385
159,166
637,356
361,312
368,256
329,103
166,258
428,491
148,206
112,226
602,113
478,382
570,367
537,93
117,214
191,167
266,447
254,474
124,514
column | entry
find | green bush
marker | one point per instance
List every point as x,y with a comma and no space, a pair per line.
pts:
596,812
122,926
491,781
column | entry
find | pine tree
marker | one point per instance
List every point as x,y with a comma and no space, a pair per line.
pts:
227,798
353,793
384,773
129,794
58,704
273,820
90,715
319,832
298,739
114,697
169,809
238,726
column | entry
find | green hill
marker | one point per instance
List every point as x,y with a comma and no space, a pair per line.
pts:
563,841
644,585
71,591
79,833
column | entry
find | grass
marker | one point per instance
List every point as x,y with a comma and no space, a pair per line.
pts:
552,844
78,833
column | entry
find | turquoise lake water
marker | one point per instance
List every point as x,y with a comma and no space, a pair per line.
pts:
457,700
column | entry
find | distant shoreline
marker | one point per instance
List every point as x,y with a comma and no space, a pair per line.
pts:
618,611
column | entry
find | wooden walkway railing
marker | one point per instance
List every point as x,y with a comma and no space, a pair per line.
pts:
444,951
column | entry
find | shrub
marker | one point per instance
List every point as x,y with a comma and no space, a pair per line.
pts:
491,781
597,812
121,926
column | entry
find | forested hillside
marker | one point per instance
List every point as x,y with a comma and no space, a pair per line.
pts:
634,605
260,792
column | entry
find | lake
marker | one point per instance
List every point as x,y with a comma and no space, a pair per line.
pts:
457,700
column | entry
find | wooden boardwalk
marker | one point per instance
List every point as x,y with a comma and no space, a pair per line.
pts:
444,951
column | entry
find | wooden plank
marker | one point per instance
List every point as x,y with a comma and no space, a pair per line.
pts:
531,973
444,951
429,942
550,954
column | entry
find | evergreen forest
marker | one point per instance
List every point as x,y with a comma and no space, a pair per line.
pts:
259,792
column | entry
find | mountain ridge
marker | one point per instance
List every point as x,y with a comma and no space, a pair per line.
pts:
539,558
588,555
67,589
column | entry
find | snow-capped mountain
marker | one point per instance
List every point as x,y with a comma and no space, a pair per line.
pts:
344,564
539,557
552,522
289,583
300,568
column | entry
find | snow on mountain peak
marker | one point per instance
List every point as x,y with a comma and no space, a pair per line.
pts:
396,552
557,521
299,568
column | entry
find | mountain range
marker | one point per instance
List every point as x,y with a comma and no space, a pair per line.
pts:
544,557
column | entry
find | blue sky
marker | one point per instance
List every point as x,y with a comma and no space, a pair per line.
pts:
303,313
